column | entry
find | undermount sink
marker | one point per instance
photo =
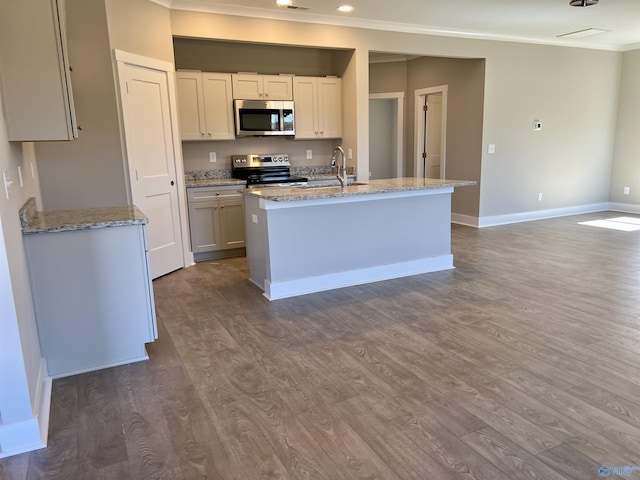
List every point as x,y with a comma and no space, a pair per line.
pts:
324,185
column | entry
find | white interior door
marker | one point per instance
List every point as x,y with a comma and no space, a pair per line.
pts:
434,135
152,162
430,132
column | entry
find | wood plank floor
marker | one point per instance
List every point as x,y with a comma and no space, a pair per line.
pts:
522,363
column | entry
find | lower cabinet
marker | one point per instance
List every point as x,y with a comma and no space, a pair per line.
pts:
93,297
216,222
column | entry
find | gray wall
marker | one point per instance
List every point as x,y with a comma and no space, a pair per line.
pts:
91,171
626,160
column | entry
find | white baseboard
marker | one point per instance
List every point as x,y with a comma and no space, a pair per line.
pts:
624,207
30,434
303,286
495,220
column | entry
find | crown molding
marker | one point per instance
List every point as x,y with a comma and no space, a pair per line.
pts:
306,17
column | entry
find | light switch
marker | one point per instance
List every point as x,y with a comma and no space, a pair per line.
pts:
309,154
491,148
212,157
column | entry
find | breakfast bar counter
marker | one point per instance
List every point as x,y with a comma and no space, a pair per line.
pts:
360,233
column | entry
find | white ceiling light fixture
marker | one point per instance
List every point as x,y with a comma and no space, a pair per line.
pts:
283,3
345,8
582,3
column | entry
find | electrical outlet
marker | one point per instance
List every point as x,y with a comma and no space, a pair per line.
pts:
309,154
212,157
491,148
350,153
626,190
540,196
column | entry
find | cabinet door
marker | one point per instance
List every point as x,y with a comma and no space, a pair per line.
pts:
247,87
232,222
36,79
305,98
277,87
204,226
218,106
190,105
330,107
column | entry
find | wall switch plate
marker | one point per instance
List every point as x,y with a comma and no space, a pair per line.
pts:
7,184
491,148
350,153
540,196
309,154
537,125
254,218
213,157
626,190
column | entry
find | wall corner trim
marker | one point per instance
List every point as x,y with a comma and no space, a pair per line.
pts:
30,434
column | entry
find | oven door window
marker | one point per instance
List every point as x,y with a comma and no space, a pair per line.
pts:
259,120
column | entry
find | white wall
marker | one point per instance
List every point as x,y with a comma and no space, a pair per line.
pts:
22,372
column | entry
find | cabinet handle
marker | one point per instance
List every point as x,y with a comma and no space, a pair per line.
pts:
202,133
215,207
209,133
221,206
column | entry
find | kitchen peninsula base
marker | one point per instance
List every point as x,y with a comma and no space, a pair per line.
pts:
310,240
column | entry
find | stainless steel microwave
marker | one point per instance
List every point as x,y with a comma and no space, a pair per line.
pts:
256,118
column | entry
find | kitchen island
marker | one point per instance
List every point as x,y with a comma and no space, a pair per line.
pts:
313,238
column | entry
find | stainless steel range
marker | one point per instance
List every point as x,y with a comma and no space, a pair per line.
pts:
265,170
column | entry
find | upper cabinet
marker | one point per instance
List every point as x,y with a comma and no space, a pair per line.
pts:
318,107
34,70
262,87
205,106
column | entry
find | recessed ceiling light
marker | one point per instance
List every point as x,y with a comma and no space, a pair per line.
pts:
345,8
283,3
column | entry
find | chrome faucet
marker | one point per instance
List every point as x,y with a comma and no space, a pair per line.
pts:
341,170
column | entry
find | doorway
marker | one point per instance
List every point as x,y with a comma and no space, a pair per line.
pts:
152,150
431,132
386,134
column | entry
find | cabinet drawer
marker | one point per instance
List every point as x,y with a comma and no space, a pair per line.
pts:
207,194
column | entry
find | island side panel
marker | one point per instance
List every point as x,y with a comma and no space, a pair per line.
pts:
340,243
256,240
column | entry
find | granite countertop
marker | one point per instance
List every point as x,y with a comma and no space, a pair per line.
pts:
223,182
78,219
315,192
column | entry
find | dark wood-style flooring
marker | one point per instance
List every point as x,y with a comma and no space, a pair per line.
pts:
522,363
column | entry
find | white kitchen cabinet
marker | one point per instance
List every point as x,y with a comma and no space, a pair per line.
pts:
318,107
216,221
262,87
205,106
93,297
34,71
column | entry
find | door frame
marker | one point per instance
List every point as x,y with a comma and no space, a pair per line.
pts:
398,98
120,59
420,131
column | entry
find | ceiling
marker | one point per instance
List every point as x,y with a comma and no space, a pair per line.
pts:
534,21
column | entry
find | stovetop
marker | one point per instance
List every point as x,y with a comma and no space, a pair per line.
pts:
270,169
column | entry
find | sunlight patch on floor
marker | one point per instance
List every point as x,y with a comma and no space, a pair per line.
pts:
626,224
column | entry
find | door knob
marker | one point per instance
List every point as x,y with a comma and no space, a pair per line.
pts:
172,183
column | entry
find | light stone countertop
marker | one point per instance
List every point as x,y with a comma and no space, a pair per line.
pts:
78,219
223,182
316,192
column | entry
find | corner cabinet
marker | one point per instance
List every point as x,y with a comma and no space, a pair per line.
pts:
318,103
93,297
205,106
262,87
216,221
35,72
